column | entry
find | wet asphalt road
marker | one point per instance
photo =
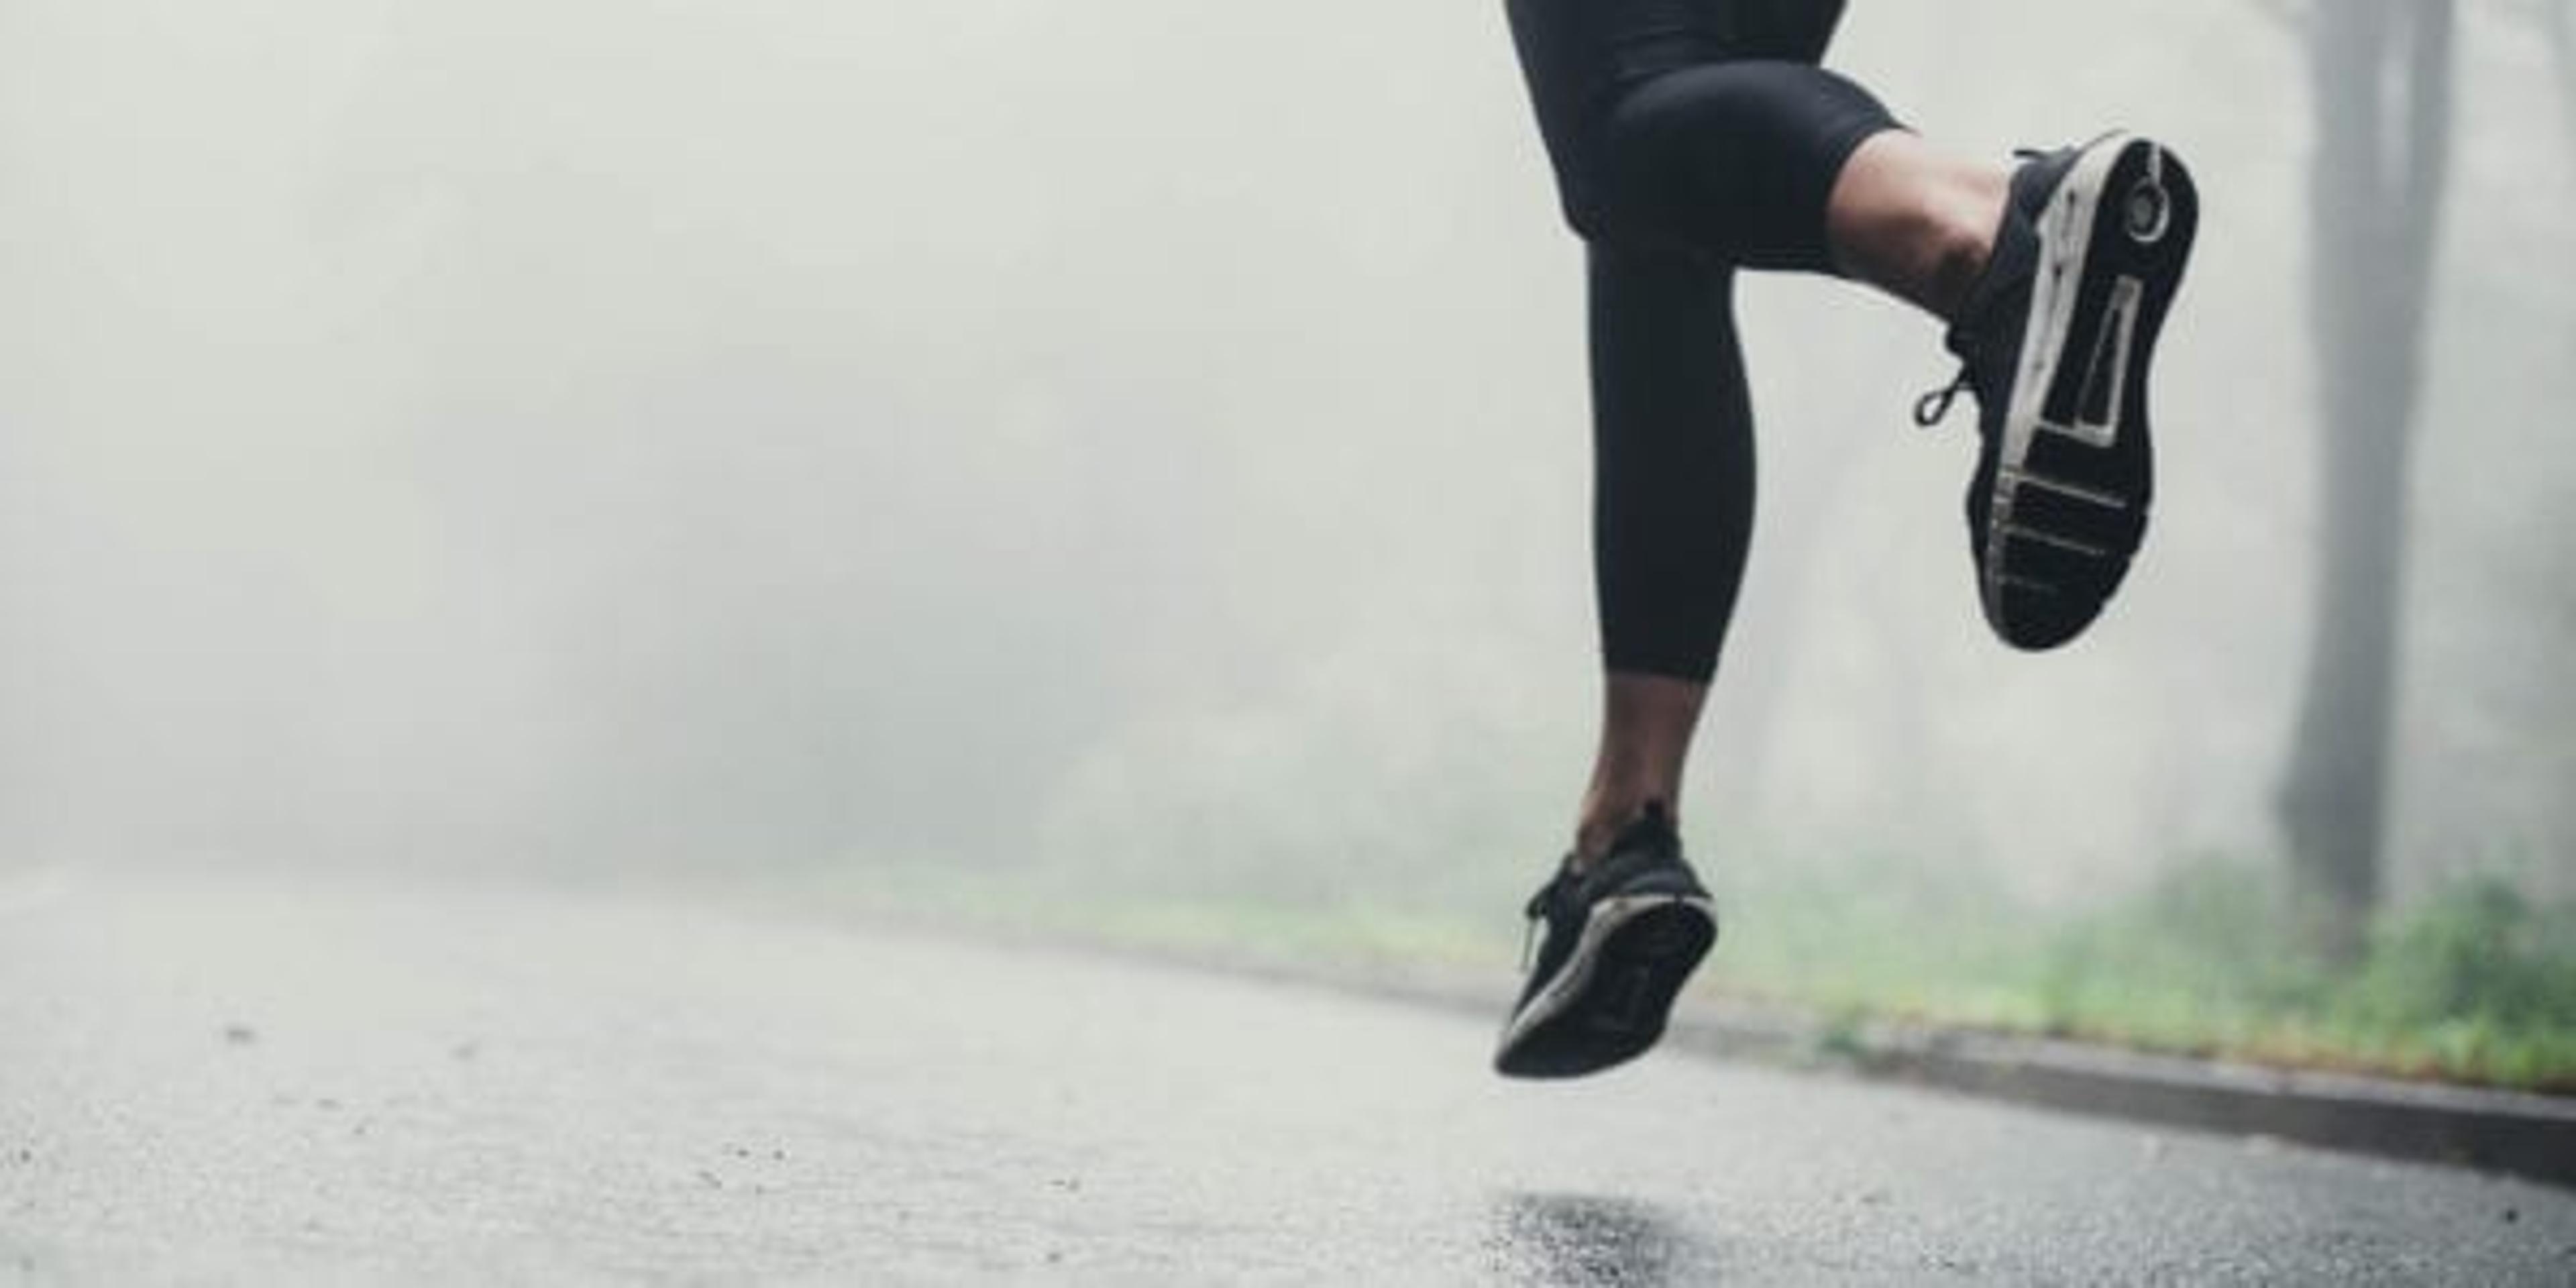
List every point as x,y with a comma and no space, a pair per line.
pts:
254,1082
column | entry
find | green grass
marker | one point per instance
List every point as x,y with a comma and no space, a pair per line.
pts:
2475,983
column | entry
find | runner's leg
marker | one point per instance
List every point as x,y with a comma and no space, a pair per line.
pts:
1915,222
1683,155
1672,515
1701,168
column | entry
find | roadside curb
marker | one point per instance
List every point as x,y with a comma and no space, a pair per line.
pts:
2515,1133
2525,1135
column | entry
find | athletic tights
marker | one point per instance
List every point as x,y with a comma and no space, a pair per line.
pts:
1690,138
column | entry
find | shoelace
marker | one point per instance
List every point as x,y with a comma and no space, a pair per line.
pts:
1536,913
1933,408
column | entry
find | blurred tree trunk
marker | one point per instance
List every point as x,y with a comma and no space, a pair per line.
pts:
2562,40
2383,94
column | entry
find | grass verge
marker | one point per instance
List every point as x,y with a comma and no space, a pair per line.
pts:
2475,984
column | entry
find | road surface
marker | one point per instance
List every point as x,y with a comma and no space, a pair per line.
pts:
254,1080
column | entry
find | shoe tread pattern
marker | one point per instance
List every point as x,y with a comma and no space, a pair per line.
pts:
2068,521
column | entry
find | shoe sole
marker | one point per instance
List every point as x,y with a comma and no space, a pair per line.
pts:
2075,468
1610,1000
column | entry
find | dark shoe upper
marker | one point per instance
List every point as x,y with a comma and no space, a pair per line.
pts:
1644,859
1986,336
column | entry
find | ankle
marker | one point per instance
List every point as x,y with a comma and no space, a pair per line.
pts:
1604,818
1646,724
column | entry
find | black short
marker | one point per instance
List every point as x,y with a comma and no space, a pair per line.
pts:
1778,136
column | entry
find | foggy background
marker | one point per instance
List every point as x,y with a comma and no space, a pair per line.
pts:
1141,442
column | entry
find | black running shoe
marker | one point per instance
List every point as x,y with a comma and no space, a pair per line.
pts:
1622,935
2055,340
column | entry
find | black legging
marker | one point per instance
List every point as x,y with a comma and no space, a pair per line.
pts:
1690,138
